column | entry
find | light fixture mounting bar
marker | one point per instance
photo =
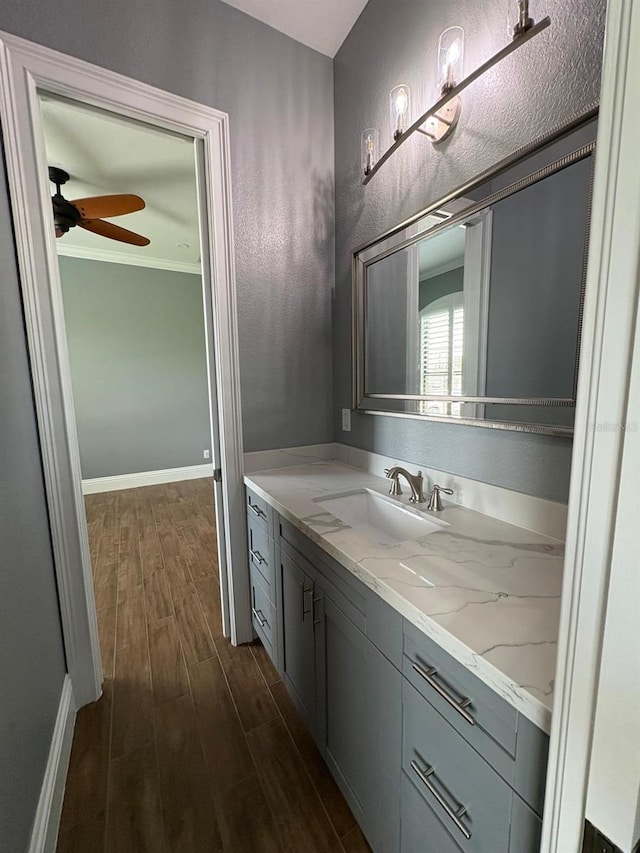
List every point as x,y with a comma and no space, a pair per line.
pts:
461,86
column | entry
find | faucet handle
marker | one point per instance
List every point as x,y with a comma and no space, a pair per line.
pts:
435,502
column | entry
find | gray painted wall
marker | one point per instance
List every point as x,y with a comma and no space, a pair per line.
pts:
528,94
441,285
138,366
279,96
32,665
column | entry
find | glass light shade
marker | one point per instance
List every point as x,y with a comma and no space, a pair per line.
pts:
450,58
369,147
400,109
518,18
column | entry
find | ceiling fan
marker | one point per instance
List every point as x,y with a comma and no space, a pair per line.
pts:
88,212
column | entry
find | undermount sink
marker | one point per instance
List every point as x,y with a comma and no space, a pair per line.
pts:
380,518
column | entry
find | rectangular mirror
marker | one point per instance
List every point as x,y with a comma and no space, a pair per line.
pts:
472,311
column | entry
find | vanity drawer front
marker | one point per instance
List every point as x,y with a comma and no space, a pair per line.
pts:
258,509
420,829
488,722
261,552
263,614
450,775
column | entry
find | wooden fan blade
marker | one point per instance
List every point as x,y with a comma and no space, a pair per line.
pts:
104,206
113,232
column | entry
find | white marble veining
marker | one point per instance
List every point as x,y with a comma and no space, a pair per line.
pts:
487,592
284,457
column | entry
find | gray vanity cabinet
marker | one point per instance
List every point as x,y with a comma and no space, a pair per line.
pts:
428,756
262,574
299,600
460,790
345,686
422,832
359,724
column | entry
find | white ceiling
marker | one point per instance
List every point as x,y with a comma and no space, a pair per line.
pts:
320,24
106,154
442,253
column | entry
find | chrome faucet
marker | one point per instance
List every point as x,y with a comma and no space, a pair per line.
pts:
415,483
435,504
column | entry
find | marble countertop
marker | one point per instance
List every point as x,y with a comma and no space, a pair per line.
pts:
487,592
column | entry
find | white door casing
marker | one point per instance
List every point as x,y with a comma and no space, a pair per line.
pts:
26,69
605,363
477,280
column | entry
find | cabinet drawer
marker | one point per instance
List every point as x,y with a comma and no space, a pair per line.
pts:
261,552
263,613
258,509
421,831
467,796
473,708
526,829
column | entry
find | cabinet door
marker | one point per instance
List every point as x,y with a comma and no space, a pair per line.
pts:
359,737
298,638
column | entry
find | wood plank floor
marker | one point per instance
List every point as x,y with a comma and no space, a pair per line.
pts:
195,745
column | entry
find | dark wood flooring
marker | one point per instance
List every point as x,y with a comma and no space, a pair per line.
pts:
195,745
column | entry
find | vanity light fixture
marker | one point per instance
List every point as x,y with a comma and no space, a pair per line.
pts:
450,64
518,19
440,119
399,110
369,146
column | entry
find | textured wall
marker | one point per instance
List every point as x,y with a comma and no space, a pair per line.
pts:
278,94
32,664
138,365
529,93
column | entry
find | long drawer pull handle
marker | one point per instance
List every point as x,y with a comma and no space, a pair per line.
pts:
460,705
314,602
306,592
257,510
456,814
259,616
257,557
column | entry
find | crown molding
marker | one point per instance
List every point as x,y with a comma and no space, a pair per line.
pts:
108,257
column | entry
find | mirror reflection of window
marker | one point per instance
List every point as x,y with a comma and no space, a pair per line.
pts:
441,353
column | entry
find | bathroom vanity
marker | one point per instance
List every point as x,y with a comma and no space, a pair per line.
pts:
419,648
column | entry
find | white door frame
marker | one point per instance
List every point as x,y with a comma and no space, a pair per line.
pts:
25,68
603,389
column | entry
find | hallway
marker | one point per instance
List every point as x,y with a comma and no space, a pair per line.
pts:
194,745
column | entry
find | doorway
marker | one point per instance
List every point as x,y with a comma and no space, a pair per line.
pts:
30,72
134,323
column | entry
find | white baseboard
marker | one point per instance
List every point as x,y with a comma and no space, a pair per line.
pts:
44,834
145,478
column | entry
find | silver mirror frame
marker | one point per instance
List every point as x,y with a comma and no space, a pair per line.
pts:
393,241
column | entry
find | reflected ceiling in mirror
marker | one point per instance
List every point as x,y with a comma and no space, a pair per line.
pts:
472,311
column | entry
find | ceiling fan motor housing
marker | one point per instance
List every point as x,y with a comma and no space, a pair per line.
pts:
65,214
